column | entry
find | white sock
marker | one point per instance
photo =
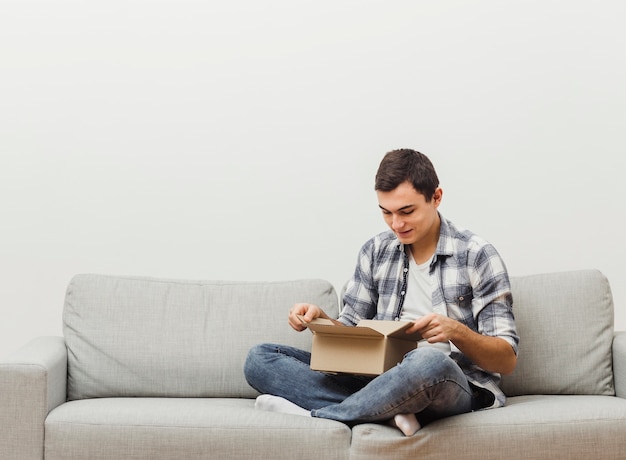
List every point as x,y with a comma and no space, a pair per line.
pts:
277,404
407,423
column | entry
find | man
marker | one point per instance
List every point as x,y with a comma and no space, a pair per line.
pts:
450,283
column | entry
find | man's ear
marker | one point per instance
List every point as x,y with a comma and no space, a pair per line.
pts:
437,196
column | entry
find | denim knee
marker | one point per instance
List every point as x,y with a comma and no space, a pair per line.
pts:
254,363
430,361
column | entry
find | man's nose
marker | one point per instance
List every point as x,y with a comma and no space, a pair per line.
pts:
398,222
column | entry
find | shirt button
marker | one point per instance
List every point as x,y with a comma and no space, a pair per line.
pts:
402,293
406,270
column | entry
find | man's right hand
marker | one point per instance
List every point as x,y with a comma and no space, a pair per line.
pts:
308,311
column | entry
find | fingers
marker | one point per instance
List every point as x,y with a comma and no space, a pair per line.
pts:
436,328
423,324
428,326
308,311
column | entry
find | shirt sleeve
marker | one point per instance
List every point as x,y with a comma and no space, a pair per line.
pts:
493,301
361,296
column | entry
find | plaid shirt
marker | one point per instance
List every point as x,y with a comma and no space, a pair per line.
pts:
470,282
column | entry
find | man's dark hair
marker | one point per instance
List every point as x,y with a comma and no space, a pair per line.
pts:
406,165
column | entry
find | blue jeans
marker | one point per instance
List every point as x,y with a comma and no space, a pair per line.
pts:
427,383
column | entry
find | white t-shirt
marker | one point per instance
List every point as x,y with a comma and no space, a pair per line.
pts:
418,300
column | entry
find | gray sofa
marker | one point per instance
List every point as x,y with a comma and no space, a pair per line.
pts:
152,369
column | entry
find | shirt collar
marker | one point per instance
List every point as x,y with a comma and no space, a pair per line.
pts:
445,245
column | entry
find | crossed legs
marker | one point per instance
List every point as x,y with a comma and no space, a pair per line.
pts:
427,383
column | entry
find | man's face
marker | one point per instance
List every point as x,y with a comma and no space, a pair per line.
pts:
409,215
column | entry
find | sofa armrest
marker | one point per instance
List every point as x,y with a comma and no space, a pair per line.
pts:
33,381
619,363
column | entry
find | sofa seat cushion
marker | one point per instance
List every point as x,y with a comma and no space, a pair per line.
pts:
187,428
146,337
529,427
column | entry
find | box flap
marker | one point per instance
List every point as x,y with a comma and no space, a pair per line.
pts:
395,329
365,328
324,326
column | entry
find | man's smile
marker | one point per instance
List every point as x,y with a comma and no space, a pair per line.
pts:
404,233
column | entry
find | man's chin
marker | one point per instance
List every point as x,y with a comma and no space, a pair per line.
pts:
406,237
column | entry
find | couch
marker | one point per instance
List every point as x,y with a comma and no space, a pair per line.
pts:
152,369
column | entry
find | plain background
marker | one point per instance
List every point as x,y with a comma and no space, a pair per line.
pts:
239,140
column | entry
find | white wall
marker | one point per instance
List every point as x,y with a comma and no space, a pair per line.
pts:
239,140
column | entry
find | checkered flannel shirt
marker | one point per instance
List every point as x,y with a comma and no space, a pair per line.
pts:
470,281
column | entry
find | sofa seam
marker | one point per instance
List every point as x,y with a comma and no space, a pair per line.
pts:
202,282
217,427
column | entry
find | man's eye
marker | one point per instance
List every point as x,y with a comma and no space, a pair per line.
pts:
406,213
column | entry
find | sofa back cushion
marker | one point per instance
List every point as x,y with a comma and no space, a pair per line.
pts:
565,323
149,337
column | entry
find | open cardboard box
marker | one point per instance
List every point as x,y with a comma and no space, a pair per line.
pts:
370,348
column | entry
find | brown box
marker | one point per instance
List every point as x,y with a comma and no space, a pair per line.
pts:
370,348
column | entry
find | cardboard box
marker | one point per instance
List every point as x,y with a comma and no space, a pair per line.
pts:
370,348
